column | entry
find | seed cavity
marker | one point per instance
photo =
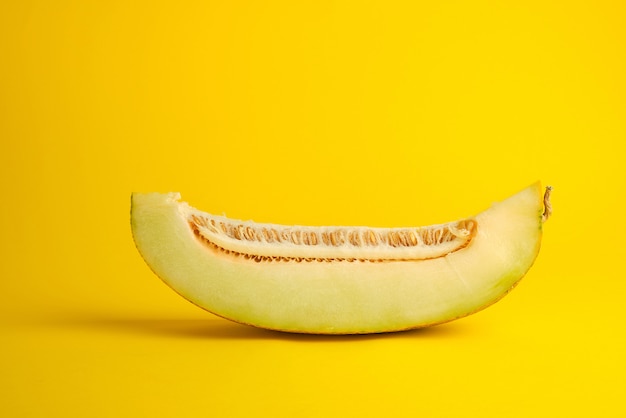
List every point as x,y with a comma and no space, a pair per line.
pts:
275,243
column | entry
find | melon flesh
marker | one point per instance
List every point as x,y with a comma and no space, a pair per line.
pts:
338,280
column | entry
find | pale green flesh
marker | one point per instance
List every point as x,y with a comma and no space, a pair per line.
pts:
342,297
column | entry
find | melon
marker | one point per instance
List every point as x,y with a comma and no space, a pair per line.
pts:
339,280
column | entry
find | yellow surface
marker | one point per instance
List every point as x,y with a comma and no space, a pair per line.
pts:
311,112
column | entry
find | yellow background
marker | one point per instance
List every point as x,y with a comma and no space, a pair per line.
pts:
308,112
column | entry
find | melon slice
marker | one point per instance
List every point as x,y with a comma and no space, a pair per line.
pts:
339,280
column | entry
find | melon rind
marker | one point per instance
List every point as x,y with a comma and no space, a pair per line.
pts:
341,297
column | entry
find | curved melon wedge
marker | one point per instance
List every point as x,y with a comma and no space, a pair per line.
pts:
339,280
